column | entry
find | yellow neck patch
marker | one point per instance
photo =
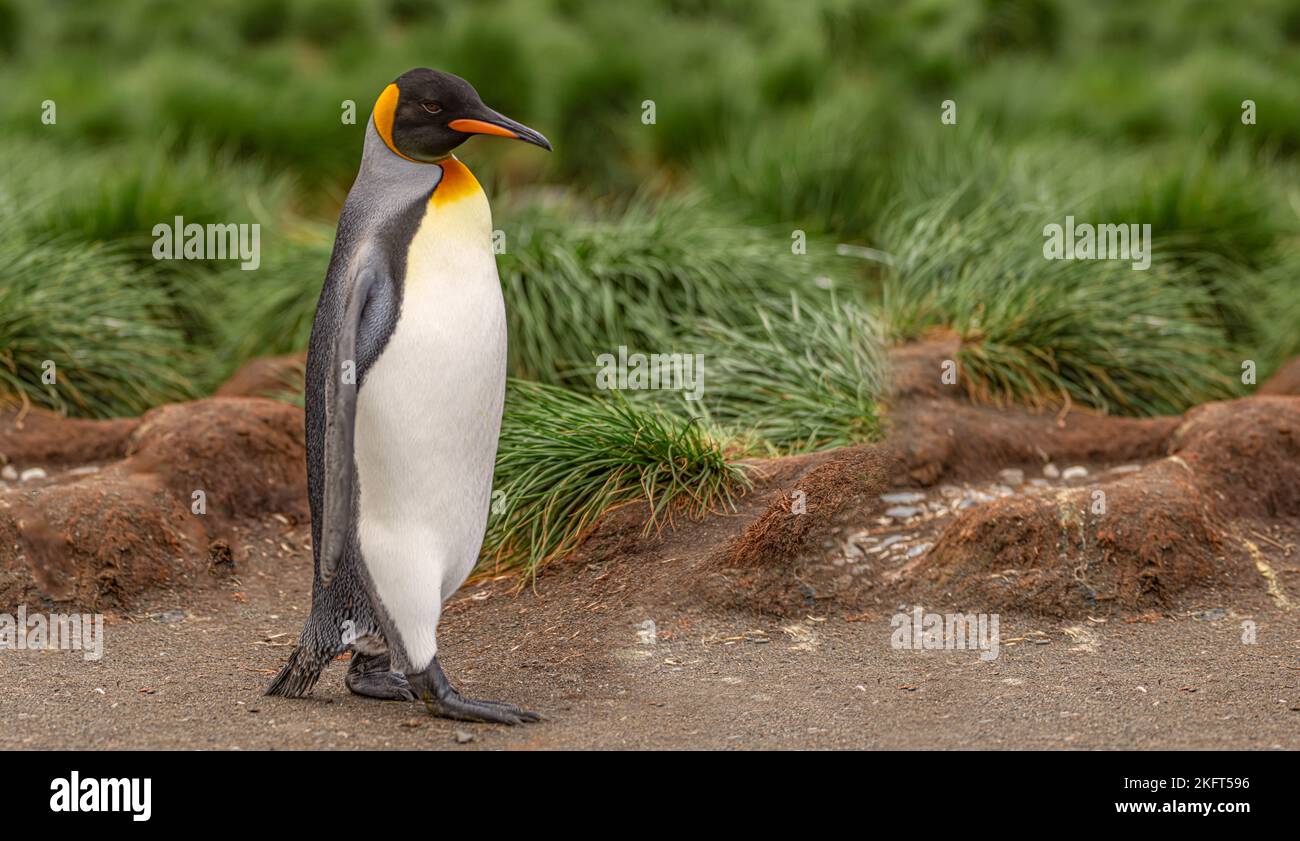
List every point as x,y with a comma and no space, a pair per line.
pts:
457,182
385,111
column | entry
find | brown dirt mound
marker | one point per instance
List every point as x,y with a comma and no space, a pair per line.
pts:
1060,554
943,438
39,437
94,541
267,376
246,454
1246,453
941,434
916,367
1285,380
759,569
1171,527
102,537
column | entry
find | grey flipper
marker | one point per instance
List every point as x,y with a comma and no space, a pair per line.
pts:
354,335
341,419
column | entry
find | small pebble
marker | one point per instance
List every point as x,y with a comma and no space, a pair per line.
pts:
902,512
1126,468
33,473
1050,471
1002,490
891,540
1012,476
1075,472
918,549
8,472
906,498
87,470
463,737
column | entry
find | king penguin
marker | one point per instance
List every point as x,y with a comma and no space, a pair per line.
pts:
405,384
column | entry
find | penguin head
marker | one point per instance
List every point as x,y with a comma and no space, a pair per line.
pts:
425,114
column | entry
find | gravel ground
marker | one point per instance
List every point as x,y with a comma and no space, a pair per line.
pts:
188,673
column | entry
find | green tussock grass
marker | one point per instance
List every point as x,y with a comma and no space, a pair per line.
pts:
803,377
824,167
1202,203
1273,312
116,196
566,458
1214,214
1038,331
269,312
577,287
87,309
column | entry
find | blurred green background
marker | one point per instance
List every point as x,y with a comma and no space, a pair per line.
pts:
771,118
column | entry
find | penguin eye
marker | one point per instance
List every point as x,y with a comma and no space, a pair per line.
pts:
431,106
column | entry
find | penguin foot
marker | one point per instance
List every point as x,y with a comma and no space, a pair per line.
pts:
442,699
371,675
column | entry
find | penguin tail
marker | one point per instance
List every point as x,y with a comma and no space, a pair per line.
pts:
300,674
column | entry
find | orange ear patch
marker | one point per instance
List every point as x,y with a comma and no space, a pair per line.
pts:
457,183
385,111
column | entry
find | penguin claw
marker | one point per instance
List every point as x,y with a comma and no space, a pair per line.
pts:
386,686
519,712
370,675
469,709
441,699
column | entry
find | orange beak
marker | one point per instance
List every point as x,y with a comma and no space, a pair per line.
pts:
480,127
499,125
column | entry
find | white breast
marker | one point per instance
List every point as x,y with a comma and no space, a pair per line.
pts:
428,418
